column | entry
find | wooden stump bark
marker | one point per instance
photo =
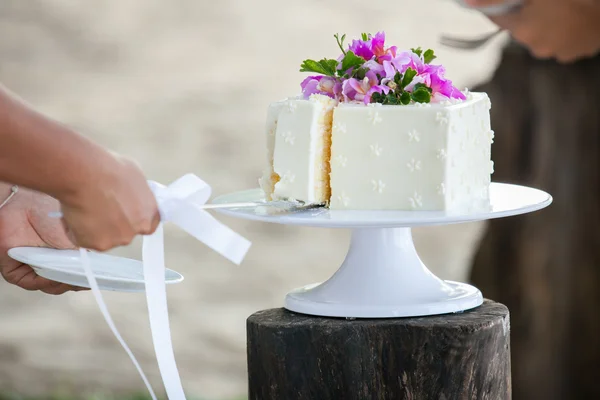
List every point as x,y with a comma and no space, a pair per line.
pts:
546,266
458,356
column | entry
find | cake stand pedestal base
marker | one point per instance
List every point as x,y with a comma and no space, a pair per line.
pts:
458,356
383,277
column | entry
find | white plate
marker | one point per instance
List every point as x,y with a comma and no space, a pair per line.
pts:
505,200
112,273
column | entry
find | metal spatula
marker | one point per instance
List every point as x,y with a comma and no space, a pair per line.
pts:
275,206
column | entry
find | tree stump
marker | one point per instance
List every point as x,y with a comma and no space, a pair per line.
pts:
457,356
546,266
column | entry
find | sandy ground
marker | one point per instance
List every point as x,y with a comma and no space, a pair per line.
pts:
182,86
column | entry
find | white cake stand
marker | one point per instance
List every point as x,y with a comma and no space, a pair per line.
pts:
382,275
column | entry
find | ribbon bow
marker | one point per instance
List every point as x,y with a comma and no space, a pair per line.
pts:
180,203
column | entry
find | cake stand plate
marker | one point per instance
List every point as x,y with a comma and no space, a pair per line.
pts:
382,275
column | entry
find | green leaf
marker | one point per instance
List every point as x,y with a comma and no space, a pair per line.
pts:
359,73
364,36
351,60
405,98
408,77
324,66
392,99
421,95
377,98
398,78
422,86
418,51
340,41
428,56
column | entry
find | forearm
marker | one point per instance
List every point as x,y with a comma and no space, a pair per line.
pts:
41,154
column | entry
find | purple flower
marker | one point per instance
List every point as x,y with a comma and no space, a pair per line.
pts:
377,68
356,90
408,59
362,49
320,84
373,47
442,88
379,50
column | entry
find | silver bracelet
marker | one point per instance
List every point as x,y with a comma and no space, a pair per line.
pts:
13,190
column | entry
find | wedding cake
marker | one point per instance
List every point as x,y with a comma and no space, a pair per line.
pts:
380,129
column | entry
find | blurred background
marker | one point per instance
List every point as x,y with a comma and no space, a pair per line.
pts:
182,86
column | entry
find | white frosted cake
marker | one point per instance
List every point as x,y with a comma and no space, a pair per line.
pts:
380,130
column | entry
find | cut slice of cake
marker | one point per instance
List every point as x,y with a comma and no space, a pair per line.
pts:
269,179
414,157
299,168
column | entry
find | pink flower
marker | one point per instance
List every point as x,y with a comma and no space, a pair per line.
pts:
356,90
362,49
408,59
379,50
377,68
442,88
320,84
373,48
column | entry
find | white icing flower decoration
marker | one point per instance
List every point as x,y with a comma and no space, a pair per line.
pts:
414,136
378,186
441,189
291,106
442,154
442,118
376,150
288,177
343,199
340,160
339,127
416,201
288,137
414,165
374,117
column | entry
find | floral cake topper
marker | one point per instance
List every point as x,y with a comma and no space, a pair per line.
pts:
369,72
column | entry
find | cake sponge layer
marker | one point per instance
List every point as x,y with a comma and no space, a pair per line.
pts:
302,150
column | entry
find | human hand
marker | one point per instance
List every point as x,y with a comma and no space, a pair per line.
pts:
111,207
24,222
567,30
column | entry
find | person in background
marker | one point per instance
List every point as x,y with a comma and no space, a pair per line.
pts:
566,30
546,267
46,167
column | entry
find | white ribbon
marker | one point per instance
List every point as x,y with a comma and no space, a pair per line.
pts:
180,203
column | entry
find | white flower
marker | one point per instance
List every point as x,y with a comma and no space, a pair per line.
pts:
341,160
288,137
376,150
378,186
414,165
288,177
345,200
442,118
441,189
414,136
374,117
416,201
338,127
291,106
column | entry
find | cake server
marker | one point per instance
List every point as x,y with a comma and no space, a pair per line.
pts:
276,206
